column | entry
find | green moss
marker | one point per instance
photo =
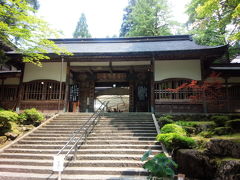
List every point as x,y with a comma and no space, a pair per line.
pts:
206,134
233,137
222,130
234,124
194,123
173,128
15,128
220,160
220,120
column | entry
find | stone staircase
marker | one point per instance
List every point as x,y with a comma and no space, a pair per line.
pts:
113,150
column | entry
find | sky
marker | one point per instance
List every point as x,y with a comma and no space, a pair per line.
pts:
104,17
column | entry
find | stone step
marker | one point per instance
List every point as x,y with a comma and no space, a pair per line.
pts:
36,176
66,134
97,128
90,142
90,157
88,146
81,151
75,170
105,124
77,163
92,137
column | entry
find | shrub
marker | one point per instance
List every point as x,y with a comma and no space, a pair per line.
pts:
222,130
5,118
173,128
206,134
220,120
234,124
31,116
167,119
159,166
175,141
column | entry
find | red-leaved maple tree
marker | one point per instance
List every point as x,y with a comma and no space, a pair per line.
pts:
209,90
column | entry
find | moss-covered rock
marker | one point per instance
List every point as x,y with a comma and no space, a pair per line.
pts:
3,139
222,130
194,164
228,170
222,147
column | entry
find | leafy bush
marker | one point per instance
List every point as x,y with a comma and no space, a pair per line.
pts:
5,118
31,116
220,120
173,128
175,141
206,134
222,130
159,166
167,119
234,124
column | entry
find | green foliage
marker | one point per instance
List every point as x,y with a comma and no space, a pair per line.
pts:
127,22
176,141
20,25
234,124
5,118
222,130
81,30
167,119
159,166
215,22
146,18
31,116
206,134
173,128
220,120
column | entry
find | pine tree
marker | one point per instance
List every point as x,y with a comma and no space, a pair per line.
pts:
81,30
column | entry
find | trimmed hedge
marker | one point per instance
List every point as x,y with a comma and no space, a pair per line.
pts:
173,128
31,116
5,118
174,141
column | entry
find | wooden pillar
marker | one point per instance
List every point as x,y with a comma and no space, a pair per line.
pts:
227,95
91,96
20,90
152,96
2,87
131,96
66,97
203,75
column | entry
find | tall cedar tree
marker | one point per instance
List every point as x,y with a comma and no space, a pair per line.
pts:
146,18
20,26
127,23
216,22
81,30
